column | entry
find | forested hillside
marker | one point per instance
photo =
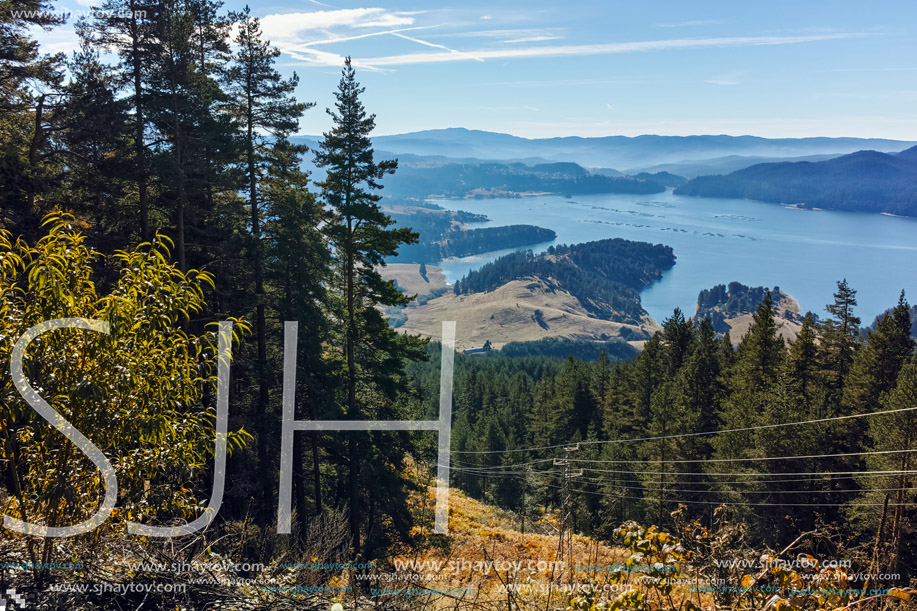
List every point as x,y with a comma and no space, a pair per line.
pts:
606,275
789,438
489,179
441,235
866,181
722,304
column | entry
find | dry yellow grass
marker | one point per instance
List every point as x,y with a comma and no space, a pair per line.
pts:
490,560
409,279
507,314
783,304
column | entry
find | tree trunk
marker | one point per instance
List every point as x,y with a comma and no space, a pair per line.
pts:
316,473
38,136
139,131
177,154
353,472
267,490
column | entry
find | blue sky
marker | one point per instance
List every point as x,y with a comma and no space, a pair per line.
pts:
540,69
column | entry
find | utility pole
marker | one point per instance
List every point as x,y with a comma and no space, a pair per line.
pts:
565,510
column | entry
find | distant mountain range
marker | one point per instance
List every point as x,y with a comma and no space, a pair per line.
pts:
426,177
422,176
720,165
839,173
865,181
618,151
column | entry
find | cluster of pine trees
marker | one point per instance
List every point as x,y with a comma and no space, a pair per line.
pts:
439,237
605,275
173,120
784,433
720,303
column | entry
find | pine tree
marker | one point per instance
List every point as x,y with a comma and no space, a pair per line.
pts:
802,395
29,83
804,367
125,27
753,389
698,383
696,396
573,407
896,433
839,336
297,267
182,105
94,141
267,113
727,353
601,385
362,237
646,374
677,336
21,59
876,366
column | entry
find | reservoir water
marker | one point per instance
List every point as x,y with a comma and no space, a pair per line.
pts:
717,241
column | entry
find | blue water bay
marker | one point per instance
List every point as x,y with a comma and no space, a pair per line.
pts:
718,241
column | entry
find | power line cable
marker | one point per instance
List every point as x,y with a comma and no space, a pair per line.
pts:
698,434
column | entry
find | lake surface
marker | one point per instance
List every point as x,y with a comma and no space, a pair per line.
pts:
717,241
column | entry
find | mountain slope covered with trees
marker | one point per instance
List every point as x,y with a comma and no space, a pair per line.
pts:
151,191
492,179
866,181
606,275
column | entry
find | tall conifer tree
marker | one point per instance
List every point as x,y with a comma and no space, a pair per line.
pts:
362,236
125,28
267,112
875,368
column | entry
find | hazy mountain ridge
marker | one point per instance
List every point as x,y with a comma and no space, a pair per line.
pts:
491,179
722,165
864,181
620,151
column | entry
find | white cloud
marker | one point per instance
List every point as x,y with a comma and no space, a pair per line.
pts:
436,46
289,27
337,39
599,49
719,82
62,39
507,33
296,34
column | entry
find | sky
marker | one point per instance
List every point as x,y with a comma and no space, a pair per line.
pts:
544,68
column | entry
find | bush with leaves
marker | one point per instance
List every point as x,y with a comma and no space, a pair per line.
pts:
142,393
